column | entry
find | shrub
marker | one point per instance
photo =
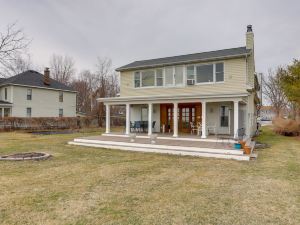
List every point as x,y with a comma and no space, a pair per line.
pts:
287,127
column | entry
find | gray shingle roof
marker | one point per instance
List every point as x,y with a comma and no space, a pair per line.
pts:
196,57
36,79
4,102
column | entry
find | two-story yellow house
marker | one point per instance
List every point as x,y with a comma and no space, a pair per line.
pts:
215,90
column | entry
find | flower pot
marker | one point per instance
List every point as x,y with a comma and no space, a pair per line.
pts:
237,146
243,143
247,150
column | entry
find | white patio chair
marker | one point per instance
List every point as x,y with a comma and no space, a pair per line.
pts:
193,128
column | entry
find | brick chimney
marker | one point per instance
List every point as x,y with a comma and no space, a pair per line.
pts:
47,76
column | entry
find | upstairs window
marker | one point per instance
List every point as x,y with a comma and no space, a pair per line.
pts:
169,75
137,79
219,72
60,112
159,77
29,94
204,73
61,96
5,93
190,72
178,75
28,112
148,78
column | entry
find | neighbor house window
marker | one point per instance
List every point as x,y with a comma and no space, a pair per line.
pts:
6,112
137,79
61,96
204,73
219,72
159,77
29,94
28,112
61,113
224,115
5,93
148,78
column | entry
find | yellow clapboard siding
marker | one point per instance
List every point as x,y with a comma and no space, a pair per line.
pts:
234,74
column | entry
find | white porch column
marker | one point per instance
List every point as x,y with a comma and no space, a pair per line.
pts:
150,112
203,119
236,118
175,119
107,118
127,119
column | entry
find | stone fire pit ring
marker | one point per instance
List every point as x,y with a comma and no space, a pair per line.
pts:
25,156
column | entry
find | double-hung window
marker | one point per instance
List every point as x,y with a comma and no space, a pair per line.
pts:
61,96
137,79
219,72
28,112
29,94
190,72
5,93
60,112
159,77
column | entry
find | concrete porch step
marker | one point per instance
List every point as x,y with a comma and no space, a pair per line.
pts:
176,150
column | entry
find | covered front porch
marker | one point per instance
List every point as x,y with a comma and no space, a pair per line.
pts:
196,118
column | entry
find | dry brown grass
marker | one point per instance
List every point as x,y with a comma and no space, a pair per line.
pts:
82,185
286,126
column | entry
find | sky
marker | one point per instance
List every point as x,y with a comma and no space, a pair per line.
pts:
129,30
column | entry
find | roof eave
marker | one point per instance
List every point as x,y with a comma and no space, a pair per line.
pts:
48,88
120,69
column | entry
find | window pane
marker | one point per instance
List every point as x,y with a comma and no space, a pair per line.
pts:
204,73
137,81
169,76
219,67
219,72
190,72
159,77
178,75
148,78
224,116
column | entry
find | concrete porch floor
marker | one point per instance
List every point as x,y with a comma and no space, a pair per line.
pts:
167,145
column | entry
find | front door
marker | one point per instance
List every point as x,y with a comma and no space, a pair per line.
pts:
186,114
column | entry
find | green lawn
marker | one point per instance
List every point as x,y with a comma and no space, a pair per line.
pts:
81,185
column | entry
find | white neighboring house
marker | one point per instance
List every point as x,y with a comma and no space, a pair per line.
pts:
32,94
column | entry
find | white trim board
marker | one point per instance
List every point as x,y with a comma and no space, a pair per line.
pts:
175,138
165,151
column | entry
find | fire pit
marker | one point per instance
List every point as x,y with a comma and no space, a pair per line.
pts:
26,156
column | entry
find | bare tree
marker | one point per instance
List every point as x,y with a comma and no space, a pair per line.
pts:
13,45
62,68
273,91
83,85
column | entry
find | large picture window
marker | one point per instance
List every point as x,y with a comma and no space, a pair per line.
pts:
204,73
